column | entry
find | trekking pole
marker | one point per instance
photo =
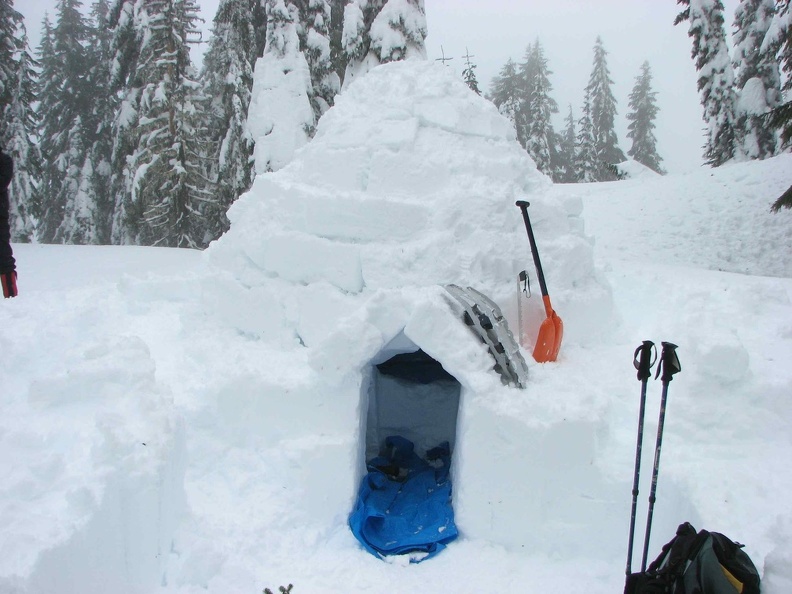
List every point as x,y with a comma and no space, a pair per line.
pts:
643,360
668,365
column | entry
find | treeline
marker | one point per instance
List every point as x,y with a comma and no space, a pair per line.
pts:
742,96
118,138
587,148
745,112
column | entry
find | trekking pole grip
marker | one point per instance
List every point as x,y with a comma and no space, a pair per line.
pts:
669,362
644,358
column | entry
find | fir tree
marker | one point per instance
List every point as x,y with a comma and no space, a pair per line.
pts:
537,108
469,74
603,115
587,165
506,92
399,31
337,55
567,172
642,115
356,37
716,77
87,202
228,79
10,24
18,122
283,99
129,30
259,21
315,42
65,99
758,81
165,191
778,42
381,31
98,124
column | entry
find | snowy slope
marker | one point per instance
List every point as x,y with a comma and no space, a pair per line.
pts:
714,219
162,430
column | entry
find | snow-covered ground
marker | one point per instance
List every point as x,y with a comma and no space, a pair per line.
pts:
185,422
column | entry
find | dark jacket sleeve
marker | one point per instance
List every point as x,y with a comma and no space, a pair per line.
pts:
6,173
7,263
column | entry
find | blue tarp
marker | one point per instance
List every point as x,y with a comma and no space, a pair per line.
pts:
404,502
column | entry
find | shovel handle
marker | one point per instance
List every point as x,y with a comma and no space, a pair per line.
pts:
534,251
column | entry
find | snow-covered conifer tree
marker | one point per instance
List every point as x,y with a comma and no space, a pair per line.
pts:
642,115
10,23
315,41
758,81
337,54
537,108
228,79
65,100
778,42
21,125
506,91
716,76
567,172
259,22
356,37
603,115
381,31
129,29
469,74
97,125
587,165
165,190
18,122
281,117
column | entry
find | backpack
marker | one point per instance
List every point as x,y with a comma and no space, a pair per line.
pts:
697,563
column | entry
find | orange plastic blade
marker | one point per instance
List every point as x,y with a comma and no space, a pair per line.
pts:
559,335
545,342
551,332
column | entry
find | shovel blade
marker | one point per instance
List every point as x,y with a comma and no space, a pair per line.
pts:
548,342
545,348
559,335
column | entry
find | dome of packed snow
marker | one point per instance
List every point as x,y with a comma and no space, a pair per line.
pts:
410,180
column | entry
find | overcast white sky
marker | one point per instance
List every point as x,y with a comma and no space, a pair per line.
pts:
495,30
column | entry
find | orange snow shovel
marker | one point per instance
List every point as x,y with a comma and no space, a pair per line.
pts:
551,331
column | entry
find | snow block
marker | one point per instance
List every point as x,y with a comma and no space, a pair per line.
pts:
305,259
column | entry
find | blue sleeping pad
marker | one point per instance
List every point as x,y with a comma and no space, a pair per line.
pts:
404,502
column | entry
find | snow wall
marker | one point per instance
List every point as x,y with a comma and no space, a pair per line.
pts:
409,183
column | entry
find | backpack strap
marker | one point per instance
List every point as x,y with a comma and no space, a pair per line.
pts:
676,549
665,571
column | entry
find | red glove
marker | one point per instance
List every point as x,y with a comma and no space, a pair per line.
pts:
9,284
